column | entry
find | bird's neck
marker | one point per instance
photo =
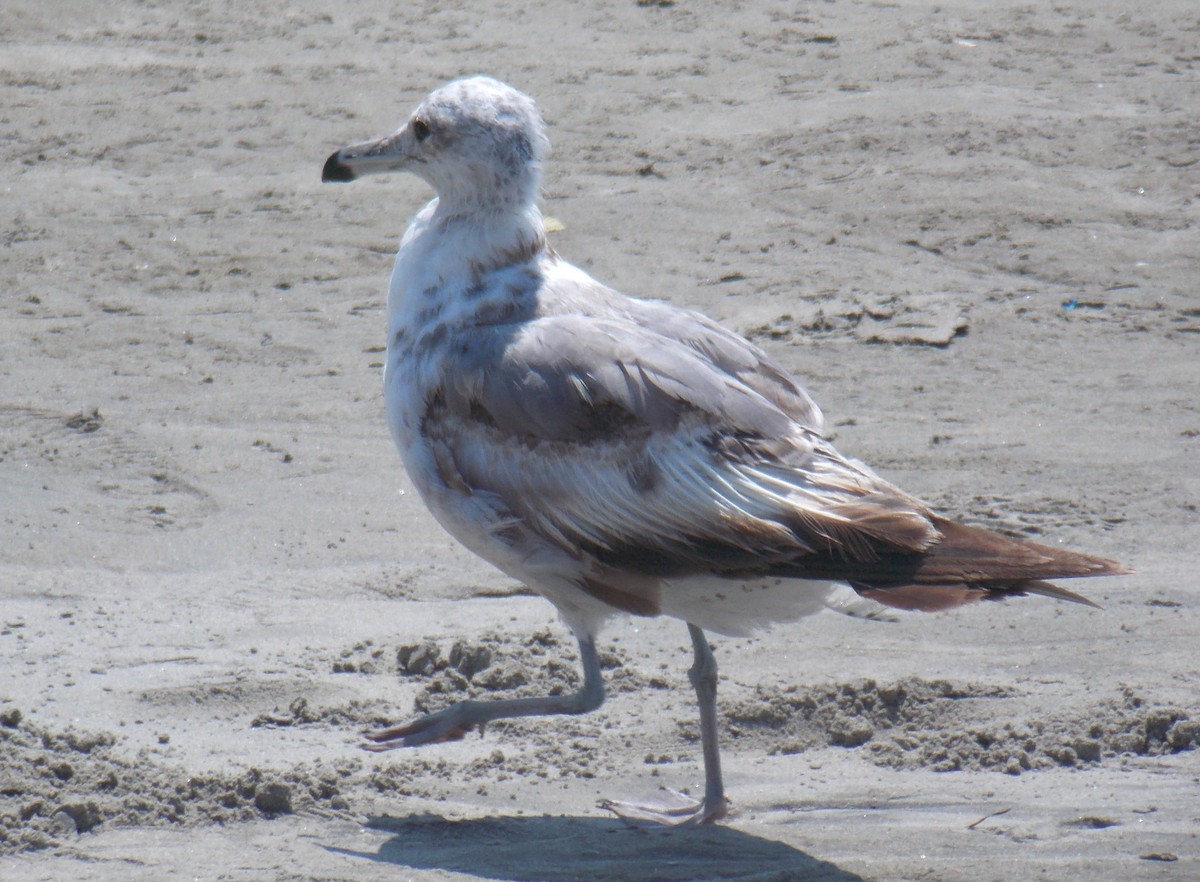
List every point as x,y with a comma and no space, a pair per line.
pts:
482,238
447,257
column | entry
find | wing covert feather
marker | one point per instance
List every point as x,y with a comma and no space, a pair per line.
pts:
610,440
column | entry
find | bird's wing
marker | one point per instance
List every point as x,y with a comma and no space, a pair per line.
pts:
732,354
567,290
628,446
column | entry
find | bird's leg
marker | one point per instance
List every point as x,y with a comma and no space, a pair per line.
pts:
672,808
703,675
454,722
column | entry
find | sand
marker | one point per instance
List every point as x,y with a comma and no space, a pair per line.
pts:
972,228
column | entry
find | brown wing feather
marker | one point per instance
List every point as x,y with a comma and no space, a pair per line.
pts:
966,565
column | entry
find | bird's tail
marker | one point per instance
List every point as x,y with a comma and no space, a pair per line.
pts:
969,564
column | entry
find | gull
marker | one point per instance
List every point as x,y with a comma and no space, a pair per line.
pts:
626,456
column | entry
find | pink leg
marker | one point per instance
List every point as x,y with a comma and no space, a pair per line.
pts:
672,808
454,722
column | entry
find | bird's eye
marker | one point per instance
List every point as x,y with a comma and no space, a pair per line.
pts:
420,129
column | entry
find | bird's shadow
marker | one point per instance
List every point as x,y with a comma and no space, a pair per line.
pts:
574,849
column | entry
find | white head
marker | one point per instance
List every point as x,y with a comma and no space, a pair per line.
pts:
478,142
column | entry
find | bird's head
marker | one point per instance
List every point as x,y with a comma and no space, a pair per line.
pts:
478,142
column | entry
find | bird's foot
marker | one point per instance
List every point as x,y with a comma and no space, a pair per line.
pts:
450,724
670,808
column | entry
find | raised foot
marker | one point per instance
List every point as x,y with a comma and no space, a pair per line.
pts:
451,724
670,808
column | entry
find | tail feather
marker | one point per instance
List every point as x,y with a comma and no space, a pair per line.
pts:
978,555
1046,589
934,598
965,565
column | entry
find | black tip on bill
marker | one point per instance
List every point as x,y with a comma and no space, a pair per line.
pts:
336,171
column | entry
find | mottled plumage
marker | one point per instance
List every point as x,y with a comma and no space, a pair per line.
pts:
622,455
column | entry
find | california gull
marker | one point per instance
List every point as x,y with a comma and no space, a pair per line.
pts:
622,455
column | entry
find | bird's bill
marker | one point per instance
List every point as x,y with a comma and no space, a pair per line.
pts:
368,158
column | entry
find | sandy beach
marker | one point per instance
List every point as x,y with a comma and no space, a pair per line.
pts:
971,229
